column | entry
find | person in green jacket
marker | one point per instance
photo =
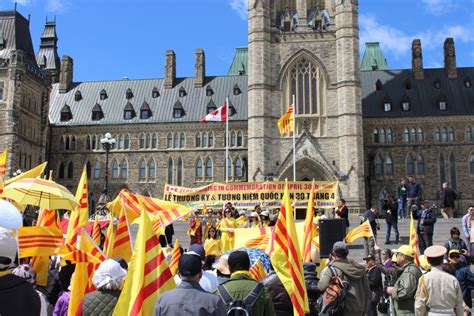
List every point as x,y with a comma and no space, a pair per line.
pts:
241,283
404,289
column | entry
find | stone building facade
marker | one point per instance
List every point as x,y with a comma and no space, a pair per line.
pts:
364,125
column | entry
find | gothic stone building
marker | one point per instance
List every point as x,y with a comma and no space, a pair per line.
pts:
358,122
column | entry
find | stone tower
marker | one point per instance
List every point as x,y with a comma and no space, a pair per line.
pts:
47,56
310,49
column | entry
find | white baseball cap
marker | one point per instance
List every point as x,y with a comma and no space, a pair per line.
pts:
8,246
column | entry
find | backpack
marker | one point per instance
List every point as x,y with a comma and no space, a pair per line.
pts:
239,307
331,302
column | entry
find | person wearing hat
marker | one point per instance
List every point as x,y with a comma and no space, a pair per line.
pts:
254,220
208,280
265,216
463,275
404,289
374,275
189,298
17,295
348,270
227,227
426,219
108,280
222,268
439,293
241,283
242,221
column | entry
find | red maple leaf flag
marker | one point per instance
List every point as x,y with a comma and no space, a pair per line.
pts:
218,115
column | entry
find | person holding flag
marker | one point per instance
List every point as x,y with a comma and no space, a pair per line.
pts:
195,229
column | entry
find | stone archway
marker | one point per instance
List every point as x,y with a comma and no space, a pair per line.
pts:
307,170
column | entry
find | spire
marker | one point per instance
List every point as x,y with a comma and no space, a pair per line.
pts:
373,58
47,57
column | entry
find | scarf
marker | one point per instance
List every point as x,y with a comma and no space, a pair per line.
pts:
242,273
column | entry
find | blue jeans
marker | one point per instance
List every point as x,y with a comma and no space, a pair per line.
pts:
395,229
402,204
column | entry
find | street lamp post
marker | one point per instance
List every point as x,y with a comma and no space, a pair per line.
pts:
107,143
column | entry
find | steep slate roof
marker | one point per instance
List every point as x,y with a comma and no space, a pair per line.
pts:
48,48
423,95
373,58
194,103
239,64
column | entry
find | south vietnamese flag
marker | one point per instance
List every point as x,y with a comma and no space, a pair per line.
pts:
218,115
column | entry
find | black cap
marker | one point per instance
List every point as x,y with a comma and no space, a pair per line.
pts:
369,257
239,260
199,249
189,265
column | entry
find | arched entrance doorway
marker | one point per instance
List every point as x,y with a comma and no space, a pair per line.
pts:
307,170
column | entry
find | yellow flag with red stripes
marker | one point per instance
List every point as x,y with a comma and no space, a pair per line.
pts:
175,255
80,215
39,241
286,257
413,240
122,246
148,274
309,228
3,163
109,238
258,271
363,230
96,231
286,122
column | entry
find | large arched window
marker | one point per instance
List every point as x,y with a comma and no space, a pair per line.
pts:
97,170
238,168
199,168
115,169
378,165
142,171
70,171
471,163
151,169
389,135
388,165
442,170
208,167
306,82
452,171
420,165
410,165
406,135
124,168
170,171
179,176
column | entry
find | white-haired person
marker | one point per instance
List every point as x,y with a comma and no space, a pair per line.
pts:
108,280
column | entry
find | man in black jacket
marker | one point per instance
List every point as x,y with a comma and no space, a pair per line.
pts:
448,199
374,274
343,212
390,207
426,219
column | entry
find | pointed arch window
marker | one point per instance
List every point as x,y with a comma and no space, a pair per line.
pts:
182,140
442,170
151,169
61,143
375,135
208,167
204,140
444,134
406,135
169,140
103,94
94,142
176,140
382,135
378,165
60,171
238,168
413,135
126,142
421,135
142,171
148,141
451,135
240,139
88,142
70,170
154,141
73,142
198,140
120,142
77,96
142,141
124,169
437,135
88,170
452,171
211,139
229,167
420,165
66,146
129,94
170,171
179,176
389,135
233,139
97,170
199,168
471,163
115,169
410,165
389,165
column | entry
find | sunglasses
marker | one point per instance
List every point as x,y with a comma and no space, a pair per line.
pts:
454,256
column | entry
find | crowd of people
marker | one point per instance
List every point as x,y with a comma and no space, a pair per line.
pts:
212,281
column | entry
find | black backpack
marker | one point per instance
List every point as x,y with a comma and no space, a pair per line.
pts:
239,307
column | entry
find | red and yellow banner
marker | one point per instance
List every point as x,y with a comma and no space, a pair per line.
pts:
39,241
248,194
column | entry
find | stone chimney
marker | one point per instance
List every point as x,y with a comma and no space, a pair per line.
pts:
200,68
417,60
450,58
170,69
66,73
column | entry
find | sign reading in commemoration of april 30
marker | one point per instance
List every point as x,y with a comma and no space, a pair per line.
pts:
249,194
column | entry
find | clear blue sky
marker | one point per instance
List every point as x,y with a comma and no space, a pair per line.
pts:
110,39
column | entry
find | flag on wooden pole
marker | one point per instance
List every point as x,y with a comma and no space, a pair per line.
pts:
286,257
148,274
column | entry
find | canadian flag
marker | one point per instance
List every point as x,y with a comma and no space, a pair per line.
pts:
218,115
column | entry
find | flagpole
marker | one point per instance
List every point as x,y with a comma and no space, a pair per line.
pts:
227,140
294,138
